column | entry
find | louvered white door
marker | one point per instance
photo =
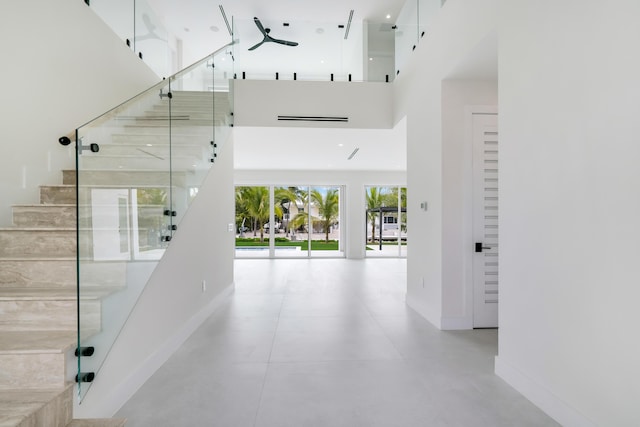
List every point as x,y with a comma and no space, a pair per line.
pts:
485,220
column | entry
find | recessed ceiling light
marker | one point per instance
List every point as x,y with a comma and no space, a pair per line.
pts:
388,16
186,30
370,59
214,28
340,145
319,30
322,61
149,145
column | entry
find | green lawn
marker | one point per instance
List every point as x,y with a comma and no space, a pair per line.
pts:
316,245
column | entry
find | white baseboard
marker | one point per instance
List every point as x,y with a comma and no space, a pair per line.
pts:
456,323
540,396
111,404
432,318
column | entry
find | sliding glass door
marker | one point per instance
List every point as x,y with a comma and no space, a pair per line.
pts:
289,221
386,221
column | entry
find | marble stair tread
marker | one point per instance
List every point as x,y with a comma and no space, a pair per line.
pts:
98,422
37,229
54,294
31,342
36,258
22,407
39,205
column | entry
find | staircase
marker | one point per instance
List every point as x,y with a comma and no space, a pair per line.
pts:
38,295
38,324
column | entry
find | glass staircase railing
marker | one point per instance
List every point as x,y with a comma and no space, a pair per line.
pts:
140,27
138,168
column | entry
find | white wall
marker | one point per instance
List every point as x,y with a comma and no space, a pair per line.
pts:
173,304
260,102
569,179
354,194
459,97
62,66
460,27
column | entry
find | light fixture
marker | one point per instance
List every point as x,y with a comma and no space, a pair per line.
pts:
370,59
319,30
186,30
340,145
149,145
214,28
388,16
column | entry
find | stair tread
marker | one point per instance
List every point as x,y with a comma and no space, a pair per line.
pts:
40,205
37,228
53,294
17,405
98,422
41,258
23,342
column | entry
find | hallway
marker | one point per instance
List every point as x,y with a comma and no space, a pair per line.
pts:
328,342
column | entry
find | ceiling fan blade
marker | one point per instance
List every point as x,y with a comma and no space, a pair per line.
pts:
256,45
284,42
260,27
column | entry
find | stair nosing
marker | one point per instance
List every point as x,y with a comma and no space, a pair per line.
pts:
38,228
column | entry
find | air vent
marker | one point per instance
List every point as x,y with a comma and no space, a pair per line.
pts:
313,119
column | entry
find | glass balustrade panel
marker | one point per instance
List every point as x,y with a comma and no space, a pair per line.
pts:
192,133
380,55
118,15
123,216
152,39
321,50
427,12
406,34
134,171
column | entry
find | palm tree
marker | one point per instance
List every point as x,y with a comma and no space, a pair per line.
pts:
328,208
284,197
253,203
375,200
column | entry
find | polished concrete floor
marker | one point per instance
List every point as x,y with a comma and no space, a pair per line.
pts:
328,342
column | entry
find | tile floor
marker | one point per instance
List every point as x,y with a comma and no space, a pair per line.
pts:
328,342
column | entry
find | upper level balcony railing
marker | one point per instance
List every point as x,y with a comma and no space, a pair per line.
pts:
353,50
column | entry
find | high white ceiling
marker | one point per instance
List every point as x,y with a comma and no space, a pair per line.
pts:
200,25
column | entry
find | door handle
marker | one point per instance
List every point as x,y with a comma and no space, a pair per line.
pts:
479,247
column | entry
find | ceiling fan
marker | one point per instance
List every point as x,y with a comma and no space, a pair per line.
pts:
267,38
